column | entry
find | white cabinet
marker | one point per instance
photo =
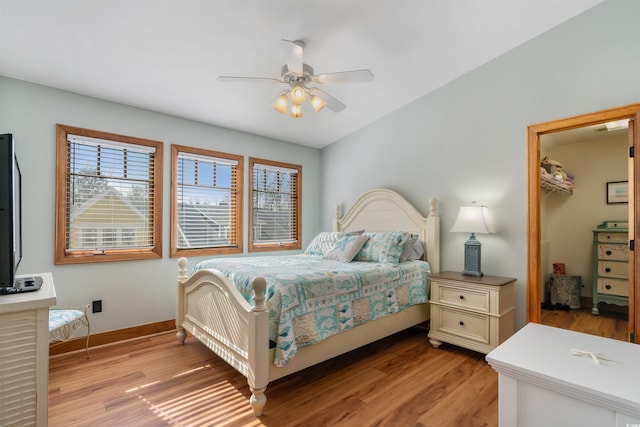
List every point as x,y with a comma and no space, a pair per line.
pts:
471,312
542,383
24,352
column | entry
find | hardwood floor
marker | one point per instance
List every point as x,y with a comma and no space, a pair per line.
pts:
154,381
609,324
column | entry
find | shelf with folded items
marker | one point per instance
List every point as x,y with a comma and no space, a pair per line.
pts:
549,184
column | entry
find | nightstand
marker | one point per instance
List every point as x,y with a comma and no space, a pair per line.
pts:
472,312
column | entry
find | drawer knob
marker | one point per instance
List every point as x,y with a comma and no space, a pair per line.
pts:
461,296
608,287
608,270
461,323
608,252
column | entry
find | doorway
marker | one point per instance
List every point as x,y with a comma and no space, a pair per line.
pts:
536,135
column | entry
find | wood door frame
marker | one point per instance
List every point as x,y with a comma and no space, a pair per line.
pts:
534,273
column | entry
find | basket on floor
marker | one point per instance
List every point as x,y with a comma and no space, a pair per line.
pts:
565,289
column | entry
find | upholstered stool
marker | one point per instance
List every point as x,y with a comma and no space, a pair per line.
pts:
64,323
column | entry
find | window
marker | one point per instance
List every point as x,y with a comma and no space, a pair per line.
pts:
275,215
108,197
206,203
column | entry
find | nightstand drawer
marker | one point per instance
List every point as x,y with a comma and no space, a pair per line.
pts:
477,298
613,269
470,311
470,326
613,286
613,252
613,237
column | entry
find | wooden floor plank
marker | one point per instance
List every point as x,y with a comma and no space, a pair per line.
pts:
401,380
468,390
609,324
157,382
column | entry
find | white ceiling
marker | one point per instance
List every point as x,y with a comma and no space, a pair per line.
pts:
165,55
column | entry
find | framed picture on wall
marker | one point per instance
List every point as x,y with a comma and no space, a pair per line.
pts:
618,192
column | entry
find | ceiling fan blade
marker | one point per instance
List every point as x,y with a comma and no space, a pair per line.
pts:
293,51
248,79
332,103
355,76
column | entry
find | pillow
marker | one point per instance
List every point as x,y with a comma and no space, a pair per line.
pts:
413,250
346,248
384,247
325,240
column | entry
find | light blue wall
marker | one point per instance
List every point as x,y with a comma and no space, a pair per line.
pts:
133,292
467,140
463,142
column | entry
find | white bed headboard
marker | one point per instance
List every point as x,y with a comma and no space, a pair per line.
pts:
386,210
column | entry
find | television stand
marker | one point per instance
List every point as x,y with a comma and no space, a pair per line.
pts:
24,338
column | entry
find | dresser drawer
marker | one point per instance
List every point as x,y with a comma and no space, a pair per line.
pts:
613,286
613,269
613,237
474,298
470,326
613,252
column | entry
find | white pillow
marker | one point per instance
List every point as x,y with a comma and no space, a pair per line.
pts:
346,248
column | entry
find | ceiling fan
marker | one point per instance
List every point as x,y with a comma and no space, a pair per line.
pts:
301,81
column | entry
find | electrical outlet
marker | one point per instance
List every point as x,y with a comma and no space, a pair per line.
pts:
96,306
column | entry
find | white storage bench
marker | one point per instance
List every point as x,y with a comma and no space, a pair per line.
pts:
555,377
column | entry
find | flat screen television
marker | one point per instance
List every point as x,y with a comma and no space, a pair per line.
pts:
10,212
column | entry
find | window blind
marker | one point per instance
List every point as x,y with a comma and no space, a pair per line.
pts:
110,195
275,204
207,201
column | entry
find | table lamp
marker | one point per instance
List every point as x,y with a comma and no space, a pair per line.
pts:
472,219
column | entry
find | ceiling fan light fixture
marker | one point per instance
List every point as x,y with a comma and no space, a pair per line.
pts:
299,79
317,103
298,95
280,105
295,111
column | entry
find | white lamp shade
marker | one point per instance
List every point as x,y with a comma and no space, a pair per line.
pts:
472,219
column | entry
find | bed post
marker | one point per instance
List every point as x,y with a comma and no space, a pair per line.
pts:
336,217
433,236
182,277
258,354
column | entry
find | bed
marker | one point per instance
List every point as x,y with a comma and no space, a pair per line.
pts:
214,310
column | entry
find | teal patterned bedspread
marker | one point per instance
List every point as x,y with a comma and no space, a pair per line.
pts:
311,298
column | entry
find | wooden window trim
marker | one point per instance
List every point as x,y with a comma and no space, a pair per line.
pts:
60,256
266,247
235,249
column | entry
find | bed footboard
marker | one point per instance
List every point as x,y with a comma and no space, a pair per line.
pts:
211,308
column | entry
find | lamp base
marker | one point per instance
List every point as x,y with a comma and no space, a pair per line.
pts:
472,273
472,257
